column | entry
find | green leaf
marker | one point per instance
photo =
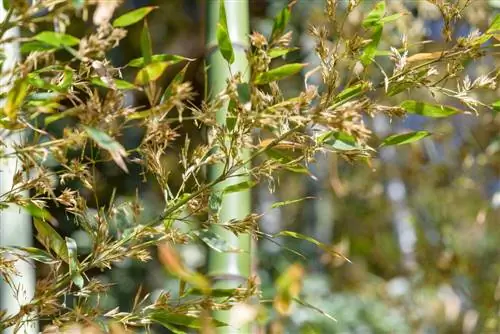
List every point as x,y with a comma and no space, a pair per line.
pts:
109,144
278,73
177,80
39,213
74,269
280,22
151,72
120,84
36,46
243,90
405,138
496,106
223,38
171,59
374,17
495,25
56,39
370,49
289,202
349,93
146,45
427,109
51,239
234,188
339,141
321,245
132,17
278,52
162,318
34,254
214,241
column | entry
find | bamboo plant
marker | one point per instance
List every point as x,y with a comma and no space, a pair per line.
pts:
227,28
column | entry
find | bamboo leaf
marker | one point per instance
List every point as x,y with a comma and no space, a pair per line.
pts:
278,73
288,286
234,188
214,241
56,39
278,52
120,84
51,239
34,254
427,109
373,18
15,98
171,59
36,46
496,105
74,269
405,138
177,80
165,318
280,22
223,38
170,259
350,93
150,72
146,45
293,201
132,17
495,25
39,213
370,49
114,148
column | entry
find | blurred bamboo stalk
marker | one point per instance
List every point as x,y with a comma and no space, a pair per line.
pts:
229,269
15,225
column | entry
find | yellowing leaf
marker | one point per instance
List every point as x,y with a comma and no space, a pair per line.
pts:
425,56
288,287
150,72
170,259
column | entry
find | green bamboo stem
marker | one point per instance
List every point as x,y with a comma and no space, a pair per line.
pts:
15,224
228,269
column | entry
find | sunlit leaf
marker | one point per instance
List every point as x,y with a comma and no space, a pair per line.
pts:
120,84
170,59
496,105
151,72
370,49
427,109
74,269
146,44
495,25
36,46
279,52
56,39
350,93
373,18
114,148
289,202
223,38
278,73
405,138
132,17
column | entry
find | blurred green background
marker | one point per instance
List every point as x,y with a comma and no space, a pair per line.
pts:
420,223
